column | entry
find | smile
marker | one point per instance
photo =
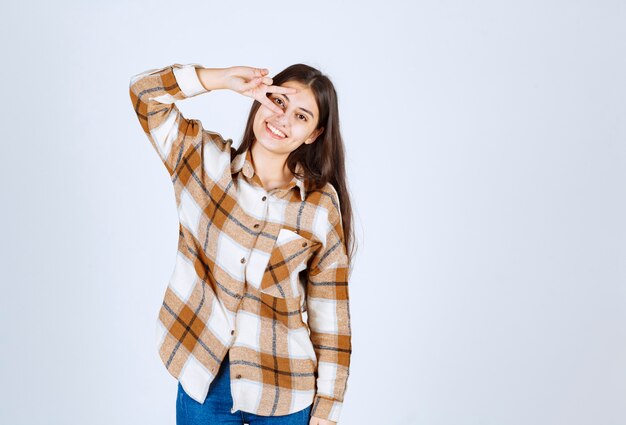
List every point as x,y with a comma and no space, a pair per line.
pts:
274,132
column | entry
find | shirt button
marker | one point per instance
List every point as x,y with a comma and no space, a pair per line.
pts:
238,376
232,332
243,260
264,198
256,226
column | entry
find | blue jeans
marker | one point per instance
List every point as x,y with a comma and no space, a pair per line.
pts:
219,401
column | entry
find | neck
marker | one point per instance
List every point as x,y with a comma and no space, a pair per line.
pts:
271,168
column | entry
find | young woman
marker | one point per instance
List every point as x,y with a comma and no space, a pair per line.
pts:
255,321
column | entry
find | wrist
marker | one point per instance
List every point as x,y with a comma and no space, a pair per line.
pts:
213,78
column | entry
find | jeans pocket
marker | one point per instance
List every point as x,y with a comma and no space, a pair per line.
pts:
181,405
306,414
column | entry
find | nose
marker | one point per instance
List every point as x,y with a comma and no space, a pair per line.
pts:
281,119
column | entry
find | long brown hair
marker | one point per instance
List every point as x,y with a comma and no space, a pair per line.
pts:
324,160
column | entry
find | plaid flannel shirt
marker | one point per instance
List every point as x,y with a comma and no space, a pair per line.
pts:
260,274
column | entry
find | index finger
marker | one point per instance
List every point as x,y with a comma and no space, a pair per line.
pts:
280,89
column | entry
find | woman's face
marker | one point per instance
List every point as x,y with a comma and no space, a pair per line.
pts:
294,127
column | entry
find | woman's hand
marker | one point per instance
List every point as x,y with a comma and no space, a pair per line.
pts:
319,421
252,82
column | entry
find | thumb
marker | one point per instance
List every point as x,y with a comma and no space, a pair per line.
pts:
251,72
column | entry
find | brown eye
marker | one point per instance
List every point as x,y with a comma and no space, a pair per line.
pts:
303,117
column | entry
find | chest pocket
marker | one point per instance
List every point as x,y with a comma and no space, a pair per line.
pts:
288,258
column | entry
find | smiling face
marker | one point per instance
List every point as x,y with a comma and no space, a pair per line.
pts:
282,134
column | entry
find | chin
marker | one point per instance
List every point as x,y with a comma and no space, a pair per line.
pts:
269,145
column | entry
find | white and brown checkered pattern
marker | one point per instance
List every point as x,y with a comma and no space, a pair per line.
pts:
260,274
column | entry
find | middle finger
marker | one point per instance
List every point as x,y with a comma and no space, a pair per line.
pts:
267,102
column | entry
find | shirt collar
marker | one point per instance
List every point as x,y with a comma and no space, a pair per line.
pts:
243,162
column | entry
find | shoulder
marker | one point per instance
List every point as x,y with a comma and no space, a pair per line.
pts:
327,198
216,139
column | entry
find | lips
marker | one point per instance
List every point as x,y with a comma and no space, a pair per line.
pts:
275,136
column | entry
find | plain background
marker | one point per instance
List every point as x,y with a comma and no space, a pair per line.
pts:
486,157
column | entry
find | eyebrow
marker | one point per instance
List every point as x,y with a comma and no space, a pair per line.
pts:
305,110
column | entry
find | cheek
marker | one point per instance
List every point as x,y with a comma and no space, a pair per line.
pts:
262,114
259,122
301,132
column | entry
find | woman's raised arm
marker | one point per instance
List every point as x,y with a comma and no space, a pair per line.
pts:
153,94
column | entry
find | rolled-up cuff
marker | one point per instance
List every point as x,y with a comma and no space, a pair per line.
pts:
326,408
188,81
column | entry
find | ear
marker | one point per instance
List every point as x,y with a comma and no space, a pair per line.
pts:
316,134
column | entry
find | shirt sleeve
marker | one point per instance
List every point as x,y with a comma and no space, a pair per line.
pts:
329,319
153,94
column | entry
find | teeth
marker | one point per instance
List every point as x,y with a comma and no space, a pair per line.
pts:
275,130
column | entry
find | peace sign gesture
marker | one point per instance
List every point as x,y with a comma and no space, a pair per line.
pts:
252,82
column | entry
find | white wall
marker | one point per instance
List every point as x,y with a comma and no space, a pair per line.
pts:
486,156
